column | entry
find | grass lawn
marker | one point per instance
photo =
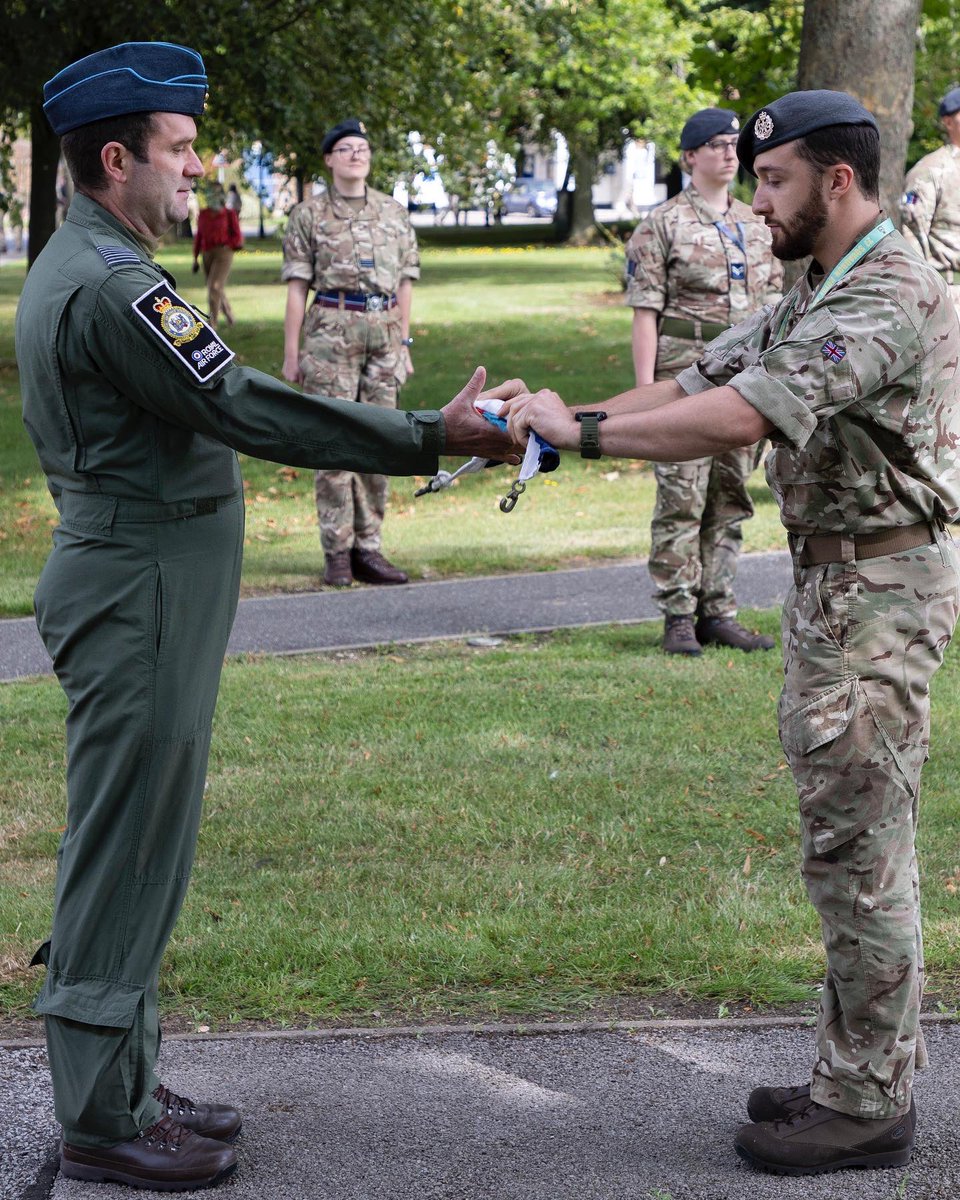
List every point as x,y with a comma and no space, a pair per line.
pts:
552,315
439,830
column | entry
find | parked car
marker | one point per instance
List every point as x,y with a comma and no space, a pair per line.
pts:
535,197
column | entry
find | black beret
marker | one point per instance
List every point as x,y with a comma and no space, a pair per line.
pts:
707,123
950,103
794,116
349,128
130,78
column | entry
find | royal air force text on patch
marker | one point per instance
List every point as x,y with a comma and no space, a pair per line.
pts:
179,327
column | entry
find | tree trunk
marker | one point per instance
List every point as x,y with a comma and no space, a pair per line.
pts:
44,160
867,48
582,228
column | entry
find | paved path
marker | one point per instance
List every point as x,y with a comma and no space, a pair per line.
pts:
457,608
643,1113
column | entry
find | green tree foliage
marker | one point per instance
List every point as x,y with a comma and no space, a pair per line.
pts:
938,70
744,54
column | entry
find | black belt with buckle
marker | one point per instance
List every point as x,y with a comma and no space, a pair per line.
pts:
356,301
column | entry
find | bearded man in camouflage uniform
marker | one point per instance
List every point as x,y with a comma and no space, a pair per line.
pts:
930,207
356,247
695,266
854,378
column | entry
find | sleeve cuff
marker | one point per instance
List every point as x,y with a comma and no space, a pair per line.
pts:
777,403
296,271
692,381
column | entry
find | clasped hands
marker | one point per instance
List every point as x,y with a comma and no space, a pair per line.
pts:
524,411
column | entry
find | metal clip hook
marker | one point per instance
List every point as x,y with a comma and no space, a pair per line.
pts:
509,501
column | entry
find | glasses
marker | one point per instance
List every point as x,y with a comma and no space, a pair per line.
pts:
352,151
722,147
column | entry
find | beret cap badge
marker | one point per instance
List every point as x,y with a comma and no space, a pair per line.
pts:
763,126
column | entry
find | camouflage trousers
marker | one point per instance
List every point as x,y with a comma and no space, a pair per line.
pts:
861,642
352,356
695,534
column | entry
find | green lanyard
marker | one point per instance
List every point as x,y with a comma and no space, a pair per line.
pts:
849,260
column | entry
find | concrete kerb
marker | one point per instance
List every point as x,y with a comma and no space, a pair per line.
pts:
497,1029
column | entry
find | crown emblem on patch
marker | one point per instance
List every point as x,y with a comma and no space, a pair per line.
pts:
162,304
763,126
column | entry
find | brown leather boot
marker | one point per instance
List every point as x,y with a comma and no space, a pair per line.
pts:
678,636
814,1140
219,1121
167,1157
369,566
725,631
336,572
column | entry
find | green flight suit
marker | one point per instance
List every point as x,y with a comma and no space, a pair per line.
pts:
137,410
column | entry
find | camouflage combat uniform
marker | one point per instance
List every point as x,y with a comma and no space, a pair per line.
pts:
861,387
930,209
351,355
684,266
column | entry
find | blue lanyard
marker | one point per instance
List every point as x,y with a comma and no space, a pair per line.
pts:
738,239
846,264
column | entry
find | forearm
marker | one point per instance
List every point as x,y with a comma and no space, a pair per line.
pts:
691,427
297,290
638,399
660,423
404,305
644,344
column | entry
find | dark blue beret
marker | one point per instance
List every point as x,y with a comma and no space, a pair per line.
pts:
130,78
349,128
707,123
950,103
794,116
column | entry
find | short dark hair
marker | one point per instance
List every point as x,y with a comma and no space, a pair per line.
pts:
81,147
856,145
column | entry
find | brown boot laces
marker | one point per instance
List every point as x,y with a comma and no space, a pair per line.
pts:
797,1115
165,1134
170,1101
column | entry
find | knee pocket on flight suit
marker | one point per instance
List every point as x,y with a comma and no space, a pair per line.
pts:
91,1000
848,773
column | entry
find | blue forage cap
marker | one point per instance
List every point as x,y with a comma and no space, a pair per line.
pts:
706,124
130,78
794,116
950,103
349,128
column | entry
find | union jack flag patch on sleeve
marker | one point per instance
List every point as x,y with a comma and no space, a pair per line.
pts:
832,351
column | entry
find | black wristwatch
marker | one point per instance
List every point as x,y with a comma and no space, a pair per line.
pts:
407,341
590,433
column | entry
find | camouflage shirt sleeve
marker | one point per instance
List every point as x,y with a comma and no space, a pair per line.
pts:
298,245
410,255
648,252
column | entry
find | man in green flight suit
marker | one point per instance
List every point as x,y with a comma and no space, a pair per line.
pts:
853,377
137,409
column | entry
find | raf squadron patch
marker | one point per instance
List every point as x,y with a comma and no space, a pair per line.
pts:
183,331
830,350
